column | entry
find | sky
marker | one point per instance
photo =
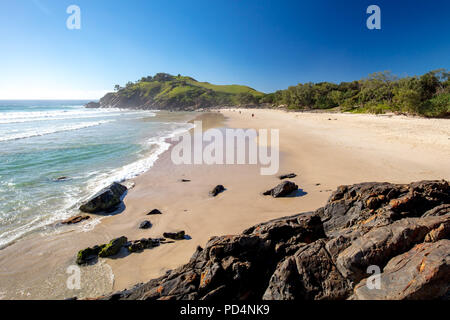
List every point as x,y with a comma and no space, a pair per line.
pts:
267,45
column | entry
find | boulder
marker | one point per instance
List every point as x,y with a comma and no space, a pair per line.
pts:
107,200
282,190
86,255
113,247
217,189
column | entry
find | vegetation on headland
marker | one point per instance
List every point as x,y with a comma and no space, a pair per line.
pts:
165,91
427,95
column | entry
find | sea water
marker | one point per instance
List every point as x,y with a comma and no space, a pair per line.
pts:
55,154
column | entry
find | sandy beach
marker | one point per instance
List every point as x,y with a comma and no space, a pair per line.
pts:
325,150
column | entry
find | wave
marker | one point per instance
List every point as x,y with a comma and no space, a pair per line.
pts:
21,117
158,144
34,133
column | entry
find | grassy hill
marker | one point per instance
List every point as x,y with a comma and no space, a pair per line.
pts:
165,91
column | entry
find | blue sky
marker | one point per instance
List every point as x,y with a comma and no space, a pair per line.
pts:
267,45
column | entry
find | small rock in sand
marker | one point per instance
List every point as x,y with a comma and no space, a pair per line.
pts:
154,211
282,190
75,219
217,189
145,224
287,176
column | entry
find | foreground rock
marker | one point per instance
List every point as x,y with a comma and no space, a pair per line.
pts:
284,189
107,200
326,254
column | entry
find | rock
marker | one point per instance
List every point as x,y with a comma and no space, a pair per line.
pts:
287,176
142,244
113,247
107,200
88,254
63,178
75,219
282,190
217,189
180,235
185,180
154,211
422,273
92,105
402,229
145,225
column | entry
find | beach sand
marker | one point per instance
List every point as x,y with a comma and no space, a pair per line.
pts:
325,150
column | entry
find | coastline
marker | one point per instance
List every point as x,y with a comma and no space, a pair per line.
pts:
322,151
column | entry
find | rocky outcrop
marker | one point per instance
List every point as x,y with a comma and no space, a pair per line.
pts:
284,189
400,230
107,200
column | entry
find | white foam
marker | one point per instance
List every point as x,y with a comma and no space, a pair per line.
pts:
22,117
37,133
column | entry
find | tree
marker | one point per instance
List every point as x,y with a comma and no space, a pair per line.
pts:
116,87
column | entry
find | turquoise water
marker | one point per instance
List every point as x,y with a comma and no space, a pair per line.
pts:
41,141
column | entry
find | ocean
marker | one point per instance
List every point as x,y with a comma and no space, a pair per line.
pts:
44,141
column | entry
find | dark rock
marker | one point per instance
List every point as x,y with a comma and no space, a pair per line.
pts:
107,200
63,178
88,254
217,189
403,230
75,219
421,273
185,180
287,176
154,211
92,105
282,190
180,235
145,225
113,247
142,244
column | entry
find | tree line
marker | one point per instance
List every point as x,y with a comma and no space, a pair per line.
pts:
427,95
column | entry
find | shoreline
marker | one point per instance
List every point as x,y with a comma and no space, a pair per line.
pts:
307,141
